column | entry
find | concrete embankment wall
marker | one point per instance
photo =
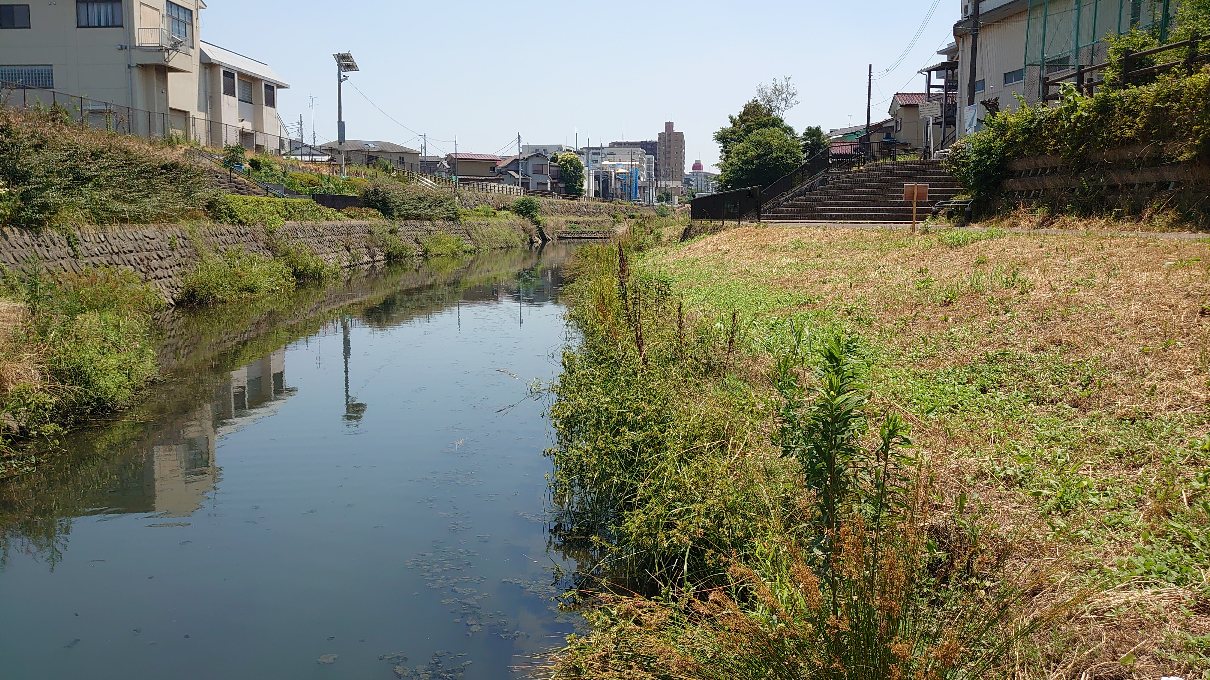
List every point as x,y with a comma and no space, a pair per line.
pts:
163,254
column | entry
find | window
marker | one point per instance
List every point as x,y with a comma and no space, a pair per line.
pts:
270,96
28,76
98,13
245,91
980,85
1058,64
538,169
228,84
14,16
1014,77
180,21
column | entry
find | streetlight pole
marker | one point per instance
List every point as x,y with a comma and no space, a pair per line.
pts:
344,64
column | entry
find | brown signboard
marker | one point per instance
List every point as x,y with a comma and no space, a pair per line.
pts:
915,192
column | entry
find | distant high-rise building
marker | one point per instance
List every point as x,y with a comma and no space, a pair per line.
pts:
670,155
649,147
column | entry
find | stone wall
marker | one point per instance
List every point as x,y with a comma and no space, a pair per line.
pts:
163,254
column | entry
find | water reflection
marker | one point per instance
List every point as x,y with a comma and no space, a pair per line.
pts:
414,526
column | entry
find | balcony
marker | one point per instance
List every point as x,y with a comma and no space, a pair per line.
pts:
162,39
159,47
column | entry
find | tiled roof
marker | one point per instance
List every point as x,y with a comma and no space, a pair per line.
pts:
910,98
474,157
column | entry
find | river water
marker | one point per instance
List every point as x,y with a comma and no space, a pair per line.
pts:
344,484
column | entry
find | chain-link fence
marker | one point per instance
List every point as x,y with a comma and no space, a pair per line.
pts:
176,124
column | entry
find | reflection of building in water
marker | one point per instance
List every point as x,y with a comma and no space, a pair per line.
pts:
181,466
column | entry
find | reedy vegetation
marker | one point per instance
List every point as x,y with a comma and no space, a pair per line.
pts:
83,350
719,549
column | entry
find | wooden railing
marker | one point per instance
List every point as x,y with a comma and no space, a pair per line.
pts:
1081,76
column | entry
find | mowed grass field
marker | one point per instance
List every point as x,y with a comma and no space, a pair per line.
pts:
1057,385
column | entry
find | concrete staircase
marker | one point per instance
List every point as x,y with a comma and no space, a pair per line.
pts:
869,193
230,183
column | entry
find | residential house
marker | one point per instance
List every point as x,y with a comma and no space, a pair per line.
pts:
434,165
139,66
911,113
240,96
1022,43
361,152
474,167
532,172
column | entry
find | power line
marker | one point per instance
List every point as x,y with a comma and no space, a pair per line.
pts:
389,116
928,19
909,81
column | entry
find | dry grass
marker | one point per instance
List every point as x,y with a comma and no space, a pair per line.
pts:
1152,221
1056,380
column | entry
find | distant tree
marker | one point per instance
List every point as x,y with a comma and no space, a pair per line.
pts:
765,156
571,171
814,141
779,96
754,116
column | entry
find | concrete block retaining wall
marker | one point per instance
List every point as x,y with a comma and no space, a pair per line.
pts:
163,254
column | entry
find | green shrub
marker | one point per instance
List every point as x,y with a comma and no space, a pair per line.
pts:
441,244
484,211
234,155
529,208
269,212
1169,112
398,202
302,261
103,357
55,174
232,276
95,339
393,248
496,236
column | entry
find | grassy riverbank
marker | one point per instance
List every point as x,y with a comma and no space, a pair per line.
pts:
1050,517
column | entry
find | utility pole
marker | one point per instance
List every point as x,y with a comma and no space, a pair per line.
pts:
520,174
424,145
302,134
973,74
455,170
344,64
869,100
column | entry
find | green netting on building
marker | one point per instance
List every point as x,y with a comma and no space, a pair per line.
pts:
1064,34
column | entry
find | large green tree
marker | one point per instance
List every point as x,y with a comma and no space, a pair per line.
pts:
760,159
754,116
814,141
571,171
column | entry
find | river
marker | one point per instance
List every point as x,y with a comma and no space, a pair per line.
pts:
344,484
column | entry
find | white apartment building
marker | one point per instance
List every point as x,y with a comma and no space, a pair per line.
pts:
138,66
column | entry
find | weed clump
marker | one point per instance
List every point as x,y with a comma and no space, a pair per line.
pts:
260,211
441,244
400,202
301,260
83,347
55,174
232,276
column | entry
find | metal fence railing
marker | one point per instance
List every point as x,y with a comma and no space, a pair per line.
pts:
103,115
738,205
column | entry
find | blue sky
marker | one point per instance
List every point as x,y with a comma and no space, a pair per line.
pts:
484,71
